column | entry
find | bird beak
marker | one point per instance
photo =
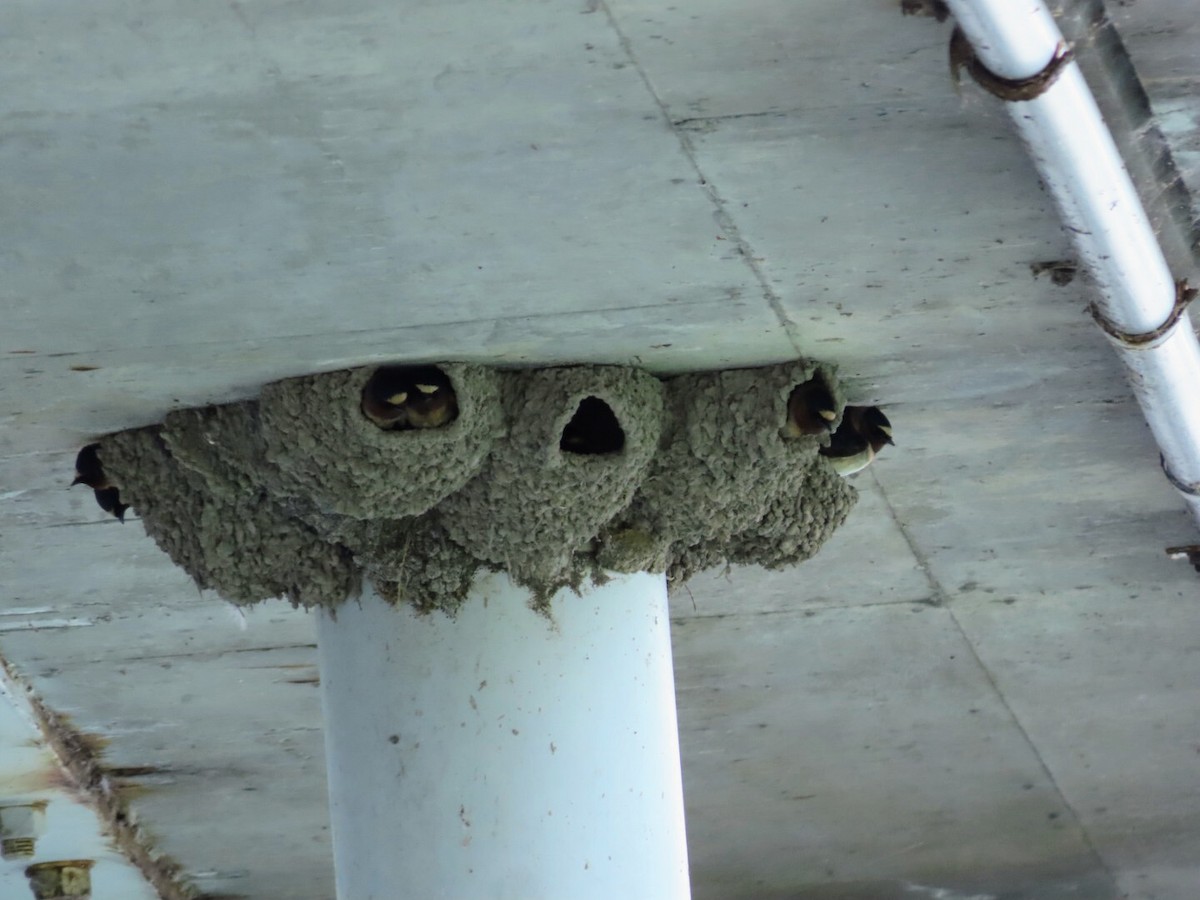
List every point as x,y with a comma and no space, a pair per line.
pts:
397,399
427,388
78,480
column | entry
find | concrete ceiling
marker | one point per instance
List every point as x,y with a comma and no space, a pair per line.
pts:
984,687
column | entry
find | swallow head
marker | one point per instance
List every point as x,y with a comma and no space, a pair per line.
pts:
398,398
384,397
431,401
434,414
877,427
88,469
811,409
820,401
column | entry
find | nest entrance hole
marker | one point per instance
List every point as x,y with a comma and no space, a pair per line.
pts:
593,430
400,398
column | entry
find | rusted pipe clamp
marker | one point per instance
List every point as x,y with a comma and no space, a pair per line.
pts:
1146,339
1190,489
1012,90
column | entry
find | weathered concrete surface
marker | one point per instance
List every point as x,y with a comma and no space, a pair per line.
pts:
299,496
206,199
67,829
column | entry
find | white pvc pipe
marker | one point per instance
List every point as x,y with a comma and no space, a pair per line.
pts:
1080,165
1013,38
502,755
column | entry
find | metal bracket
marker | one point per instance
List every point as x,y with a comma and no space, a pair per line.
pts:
1190,489
1144,341
1011,90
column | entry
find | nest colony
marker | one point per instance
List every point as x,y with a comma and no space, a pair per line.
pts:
553,475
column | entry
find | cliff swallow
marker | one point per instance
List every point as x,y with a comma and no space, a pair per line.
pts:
109,500
88,469
864,431
593,430
432,402
811,409
402,397
384,396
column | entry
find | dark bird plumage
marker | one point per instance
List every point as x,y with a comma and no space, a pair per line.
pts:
864,431
811,409
433,402
383,403
109,500
88,469
397,398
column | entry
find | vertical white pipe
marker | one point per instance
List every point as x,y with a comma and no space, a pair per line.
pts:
1081,167
501,755
1014,38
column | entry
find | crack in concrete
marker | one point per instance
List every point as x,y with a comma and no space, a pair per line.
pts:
722,217
808,610
105,521
209,655
708,123
476,322
943,600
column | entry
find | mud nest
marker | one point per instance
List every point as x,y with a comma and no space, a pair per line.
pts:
553,475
